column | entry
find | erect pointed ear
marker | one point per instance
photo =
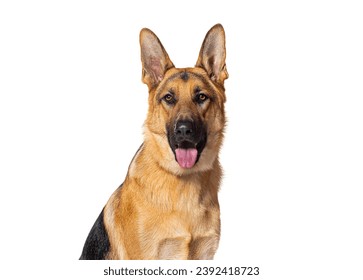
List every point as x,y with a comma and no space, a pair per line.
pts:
212,55
155,60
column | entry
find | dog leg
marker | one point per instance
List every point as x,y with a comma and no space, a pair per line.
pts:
203,248
174,248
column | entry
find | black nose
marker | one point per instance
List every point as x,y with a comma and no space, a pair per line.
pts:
184,131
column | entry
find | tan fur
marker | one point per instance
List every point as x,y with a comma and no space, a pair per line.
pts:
163,211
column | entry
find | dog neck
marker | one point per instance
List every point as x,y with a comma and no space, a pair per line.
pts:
154,182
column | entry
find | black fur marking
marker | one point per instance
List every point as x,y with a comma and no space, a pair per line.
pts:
184,76
199,138
97,244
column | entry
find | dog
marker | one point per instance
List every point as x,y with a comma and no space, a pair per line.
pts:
167,207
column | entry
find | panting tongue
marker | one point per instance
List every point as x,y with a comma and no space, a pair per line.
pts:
186,157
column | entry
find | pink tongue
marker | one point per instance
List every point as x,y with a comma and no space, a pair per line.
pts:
186,157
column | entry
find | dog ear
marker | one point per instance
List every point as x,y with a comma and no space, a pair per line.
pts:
212,55
154,58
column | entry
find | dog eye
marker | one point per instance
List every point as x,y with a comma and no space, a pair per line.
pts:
201,97
169,98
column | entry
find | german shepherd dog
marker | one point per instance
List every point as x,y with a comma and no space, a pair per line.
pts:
167,207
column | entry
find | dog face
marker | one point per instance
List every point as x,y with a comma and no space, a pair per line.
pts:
185,119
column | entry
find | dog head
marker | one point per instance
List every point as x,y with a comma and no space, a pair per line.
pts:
186,118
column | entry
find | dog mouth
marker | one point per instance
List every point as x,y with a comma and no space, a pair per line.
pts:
187,141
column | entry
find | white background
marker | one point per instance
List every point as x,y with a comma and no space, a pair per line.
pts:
72,107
